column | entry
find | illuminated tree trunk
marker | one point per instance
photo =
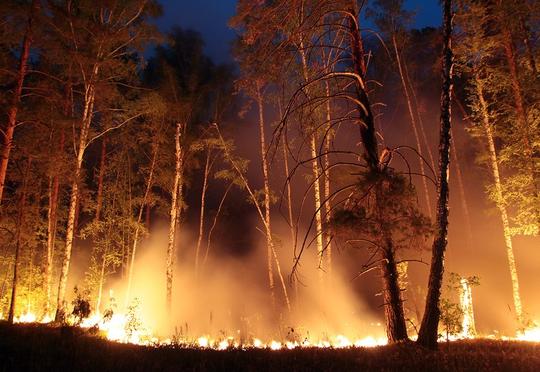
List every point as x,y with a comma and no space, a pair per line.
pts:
521,112
427,335
203,203
52,221
20,215
144,205
266,183
396,328
414,126
316,179
74,199
99,197
16,98
327,190
494,165
175,196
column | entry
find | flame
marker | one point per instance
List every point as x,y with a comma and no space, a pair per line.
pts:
117,328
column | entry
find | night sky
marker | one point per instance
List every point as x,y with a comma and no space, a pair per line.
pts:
210,18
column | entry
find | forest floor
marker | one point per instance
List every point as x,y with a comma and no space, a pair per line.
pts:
44,348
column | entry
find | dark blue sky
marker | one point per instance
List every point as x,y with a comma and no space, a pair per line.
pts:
210,18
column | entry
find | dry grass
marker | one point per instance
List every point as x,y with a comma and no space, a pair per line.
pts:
43,348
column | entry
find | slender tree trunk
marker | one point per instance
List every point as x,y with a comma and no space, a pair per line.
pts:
74,199
20,215
427,336
143,206
262,216
396,328
99,198
267,196
52,222
419,115
16,97
174,213
414,126
315,170
494,165
214,223
207,165
327,188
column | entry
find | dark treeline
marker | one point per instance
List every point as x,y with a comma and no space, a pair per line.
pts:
99,142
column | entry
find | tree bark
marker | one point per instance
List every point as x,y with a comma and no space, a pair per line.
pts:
16,98
175,202
427,335
396,328
207,166
266,187
52,222
20,215
99,198
74,199
494,164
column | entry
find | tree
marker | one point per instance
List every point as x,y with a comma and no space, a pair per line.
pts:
427,335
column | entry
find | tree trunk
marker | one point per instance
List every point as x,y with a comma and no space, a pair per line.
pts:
316,180
427,336
16,98
52,221
139,220
494,164
326,191
396,328
266,182
175,202
20,215
99,198
414,126
74,199
207,166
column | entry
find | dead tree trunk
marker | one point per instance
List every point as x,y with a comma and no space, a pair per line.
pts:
16,98
20,215
175,202
427,335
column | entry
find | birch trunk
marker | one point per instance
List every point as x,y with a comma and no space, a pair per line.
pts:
20,215
74,199
266,187
52,222
427,335
174,214
203,203
16,98
316,180
99,197
494,164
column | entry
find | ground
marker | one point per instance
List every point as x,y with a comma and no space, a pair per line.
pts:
44,348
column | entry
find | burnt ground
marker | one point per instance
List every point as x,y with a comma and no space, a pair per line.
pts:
45,348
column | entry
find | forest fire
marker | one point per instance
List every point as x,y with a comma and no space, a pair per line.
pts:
293,193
